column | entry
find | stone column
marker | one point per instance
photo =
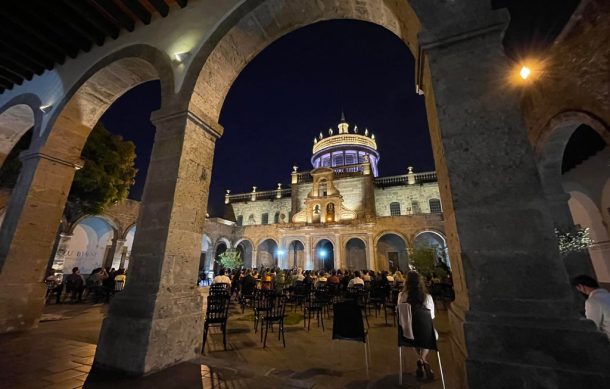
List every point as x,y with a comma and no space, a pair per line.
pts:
117,254
338,254
27,236
371,260
60,253
254,257
512,324
307,252
157,320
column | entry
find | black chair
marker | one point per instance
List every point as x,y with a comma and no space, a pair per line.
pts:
261,305
246,295
390,305
219,289
300,293
377,297
275,314
314,305
424,336
216,315
348,325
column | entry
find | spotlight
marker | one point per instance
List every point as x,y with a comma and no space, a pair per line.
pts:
181,57
525,72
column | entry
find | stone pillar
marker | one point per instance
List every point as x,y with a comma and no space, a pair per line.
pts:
117,254
60,253
27,236
254,257
157,320
512,324
338,254
371,261
307,251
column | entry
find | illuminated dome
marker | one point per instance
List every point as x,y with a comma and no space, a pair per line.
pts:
343,148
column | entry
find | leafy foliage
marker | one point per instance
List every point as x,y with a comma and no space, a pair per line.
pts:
572,242
230,259
424,260
108,173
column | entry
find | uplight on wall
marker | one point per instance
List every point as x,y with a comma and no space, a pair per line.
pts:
181,57
46,108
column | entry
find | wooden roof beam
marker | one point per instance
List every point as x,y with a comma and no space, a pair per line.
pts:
160,6
111,11
91,15
138,10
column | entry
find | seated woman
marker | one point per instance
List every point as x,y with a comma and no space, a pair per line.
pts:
422,335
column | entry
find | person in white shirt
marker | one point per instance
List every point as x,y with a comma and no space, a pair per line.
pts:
221,278
597,306
356,280
300,276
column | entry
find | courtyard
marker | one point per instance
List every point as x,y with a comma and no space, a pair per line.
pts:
59,354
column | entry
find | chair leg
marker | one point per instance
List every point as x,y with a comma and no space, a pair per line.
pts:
322,319
224,335
283,335
205,336
366,359
440,367
400,365
266,331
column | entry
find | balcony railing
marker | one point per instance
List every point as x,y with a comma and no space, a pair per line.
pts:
262,195
403,179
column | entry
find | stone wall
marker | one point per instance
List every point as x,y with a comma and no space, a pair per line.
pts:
405,195
258,207
576,73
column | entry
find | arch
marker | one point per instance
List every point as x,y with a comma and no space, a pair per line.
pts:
355,253
391,251
324,254
249,30
224,240
246,249
266,253
81,107
90,244
17,116
113,223
295,253
127,230
433,239
130,234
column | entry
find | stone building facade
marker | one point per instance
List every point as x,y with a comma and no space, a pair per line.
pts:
341,214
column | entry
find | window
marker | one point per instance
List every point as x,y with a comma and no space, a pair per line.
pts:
435,206
415,206
350,159
276,218
265,218
395,209
240,220
338,160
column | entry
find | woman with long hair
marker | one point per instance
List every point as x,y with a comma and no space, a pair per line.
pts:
415,293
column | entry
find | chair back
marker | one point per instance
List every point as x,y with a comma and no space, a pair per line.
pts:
248,289
217,308
422,327
262,300
218,289
119,285
347,322
277,306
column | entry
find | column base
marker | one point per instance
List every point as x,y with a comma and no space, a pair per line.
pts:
147,333
529,352
21,305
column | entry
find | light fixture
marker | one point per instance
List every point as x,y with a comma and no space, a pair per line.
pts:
525,72
181,57
46,108
280,252
322,253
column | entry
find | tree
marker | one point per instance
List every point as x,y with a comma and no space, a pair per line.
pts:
424,259
108,173
230,259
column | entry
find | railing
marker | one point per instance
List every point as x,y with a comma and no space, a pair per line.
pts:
405,179
304,177
263,195
347,139
339,172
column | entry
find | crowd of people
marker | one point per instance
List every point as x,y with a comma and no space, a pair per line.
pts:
99,286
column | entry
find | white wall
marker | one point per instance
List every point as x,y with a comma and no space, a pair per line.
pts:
90,242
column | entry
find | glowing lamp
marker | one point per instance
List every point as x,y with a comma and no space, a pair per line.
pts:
525,72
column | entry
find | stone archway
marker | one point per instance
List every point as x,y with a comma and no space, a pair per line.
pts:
295,252
16,118
391,251
267,253
246,249
324,255
355,254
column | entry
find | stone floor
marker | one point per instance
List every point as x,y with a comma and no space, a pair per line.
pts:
59,354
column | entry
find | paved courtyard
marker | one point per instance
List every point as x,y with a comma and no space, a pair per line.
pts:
59,354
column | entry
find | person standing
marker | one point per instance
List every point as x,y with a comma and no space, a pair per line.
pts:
597,306
74,285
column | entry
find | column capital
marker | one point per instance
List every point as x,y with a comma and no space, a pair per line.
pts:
26,155
200,120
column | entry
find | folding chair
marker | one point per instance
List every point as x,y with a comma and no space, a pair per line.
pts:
275,314
348,325
424,336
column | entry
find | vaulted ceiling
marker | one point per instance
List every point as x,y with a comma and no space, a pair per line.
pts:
36,35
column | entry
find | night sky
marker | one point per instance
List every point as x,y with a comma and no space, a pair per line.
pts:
290,92
298,86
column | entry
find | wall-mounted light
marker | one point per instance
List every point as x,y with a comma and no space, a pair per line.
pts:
181,57
46,108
